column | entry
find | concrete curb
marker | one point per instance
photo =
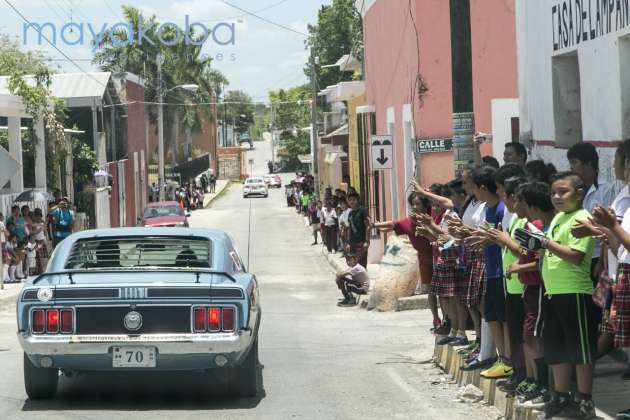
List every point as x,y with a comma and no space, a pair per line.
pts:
209,198
412,302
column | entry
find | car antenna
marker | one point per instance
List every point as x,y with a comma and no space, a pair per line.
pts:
70,278
197,274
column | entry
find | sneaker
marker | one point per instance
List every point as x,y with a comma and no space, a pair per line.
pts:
348,303
472,357
623,415
436,324
537,399
474,345
499,370
446,340
479,364
459,341
510,386
557,404
527,389
578,409
444,328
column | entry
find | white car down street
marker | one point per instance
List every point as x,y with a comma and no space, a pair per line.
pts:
255,186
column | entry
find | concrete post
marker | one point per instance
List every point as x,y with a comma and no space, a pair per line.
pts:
15,149
40,155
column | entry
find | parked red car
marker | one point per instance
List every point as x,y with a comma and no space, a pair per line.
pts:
164,214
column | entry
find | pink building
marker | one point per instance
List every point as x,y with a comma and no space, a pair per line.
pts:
408,49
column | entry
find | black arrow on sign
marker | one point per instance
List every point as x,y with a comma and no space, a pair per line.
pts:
382,159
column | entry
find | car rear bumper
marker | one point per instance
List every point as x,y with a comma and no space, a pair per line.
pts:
174,351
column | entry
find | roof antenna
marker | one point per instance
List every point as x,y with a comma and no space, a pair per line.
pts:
70,278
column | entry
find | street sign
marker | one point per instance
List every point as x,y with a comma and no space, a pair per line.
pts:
433,145
382,152
8,166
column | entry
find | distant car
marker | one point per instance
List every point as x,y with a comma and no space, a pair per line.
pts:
273,181
164,214
127,300
244,138
255,186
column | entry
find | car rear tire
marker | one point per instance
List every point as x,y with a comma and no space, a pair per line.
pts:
39,382
266,195
244,378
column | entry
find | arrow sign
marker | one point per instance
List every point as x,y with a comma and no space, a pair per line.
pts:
382,159
8,166
382,152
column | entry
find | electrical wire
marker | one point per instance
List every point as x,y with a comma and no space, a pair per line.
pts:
194,104
16,10
271,22
61,18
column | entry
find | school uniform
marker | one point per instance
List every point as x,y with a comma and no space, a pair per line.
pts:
446,275
494,302
569,316
473,260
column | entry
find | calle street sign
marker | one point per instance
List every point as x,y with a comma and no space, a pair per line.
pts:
382,152
433,145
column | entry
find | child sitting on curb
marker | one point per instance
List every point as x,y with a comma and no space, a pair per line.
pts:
353,280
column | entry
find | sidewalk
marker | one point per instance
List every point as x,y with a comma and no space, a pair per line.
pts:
9,295
209,197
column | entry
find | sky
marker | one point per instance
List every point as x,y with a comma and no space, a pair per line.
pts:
262,56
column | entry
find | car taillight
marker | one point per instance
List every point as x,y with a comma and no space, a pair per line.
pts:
214,319
39,321
200,319
52,320
228,319
66,316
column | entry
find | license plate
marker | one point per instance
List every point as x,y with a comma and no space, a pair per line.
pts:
133,357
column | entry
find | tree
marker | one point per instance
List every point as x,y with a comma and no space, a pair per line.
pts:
240,111
295,144
12,59
291,107
339,31
183,63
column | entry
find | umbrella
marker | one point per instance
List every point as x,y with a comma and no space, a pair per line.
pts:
32,195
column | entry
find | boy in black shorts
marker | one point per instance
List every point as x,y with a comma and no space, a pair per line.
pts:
570,316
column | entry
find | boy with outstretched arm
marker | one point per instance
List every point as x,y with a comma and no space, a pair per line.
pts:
570,316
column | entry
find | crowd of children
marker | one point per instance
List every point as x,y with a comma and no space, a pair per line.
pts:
27,237
539,260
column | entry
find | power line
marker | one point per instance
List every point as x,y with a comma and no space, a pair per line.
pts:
114,13
195,104
271,22
61,18
16,10
264,9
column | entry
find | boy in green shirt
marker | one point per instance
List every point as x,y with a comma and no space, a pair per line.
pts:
570,316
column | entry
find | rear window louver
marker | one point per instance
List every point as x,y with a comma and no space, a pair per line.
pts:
132,252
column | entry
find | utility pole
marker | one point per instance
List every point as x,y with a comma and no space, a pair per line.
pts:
161,179
461,70
271,128
314,134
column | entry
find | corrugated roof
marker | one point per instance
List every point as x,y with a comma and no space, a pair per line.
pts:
76,89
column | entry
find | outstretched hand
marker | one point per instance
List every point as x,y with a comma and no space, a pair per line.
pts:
604,217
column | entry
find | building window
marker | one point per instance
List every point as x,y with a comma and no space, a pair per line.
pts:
567,107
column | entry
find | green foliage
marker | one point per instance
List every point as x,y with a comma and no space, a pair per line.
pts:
184,63
241,112
291,107
84,201
84,162
295,145
13,60
339,31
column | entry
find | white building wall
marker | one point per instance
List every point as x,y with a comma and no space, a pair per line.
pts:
503,110
540,38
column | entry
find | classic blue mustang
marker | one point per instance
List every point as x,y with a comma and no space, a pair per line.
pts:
134,299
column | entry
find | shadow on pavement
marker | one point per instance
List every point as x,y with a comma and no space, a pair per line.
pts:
143,392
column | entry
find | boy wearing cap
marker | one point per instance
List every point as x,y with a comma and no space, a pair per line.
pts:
353,280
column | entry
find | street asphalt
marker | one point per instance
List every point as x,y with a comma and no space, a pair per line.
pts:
319,361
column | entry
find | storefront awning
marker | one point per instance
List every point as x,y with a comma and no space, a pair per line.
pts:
306,159
331,157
